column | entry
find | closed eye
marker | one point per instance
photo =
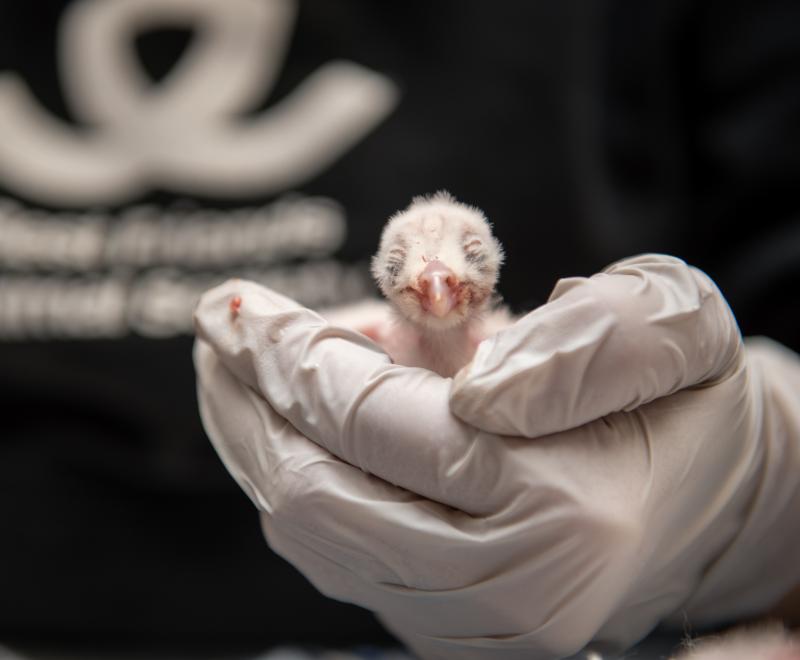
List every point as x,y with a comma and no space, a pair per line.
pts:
395,261
475,253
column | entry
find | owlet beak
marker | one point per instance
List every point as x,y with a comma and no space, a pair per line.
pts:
438,285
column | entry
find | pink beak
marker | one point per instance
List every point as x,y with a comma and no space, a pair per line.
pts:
438,285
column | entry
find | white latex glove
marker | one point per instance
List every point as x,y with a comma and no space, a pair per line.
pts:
469,544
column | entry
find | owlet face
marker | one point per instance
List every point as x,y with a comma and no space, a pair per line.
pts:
438,261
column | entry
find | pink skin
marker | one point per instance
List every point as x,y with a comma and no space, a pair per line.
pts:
235,305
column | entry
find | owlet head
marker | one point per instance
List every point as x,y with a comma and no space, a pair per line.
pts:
438,261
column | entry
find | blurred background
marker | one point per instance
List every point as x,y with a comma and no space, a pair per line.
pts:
150,149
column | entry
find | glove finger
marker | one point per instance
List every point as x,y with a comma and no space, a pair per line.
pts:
643,328
340,390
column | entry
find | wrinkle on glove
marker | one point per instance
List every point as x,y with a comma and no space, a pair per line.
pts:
643,328
469,544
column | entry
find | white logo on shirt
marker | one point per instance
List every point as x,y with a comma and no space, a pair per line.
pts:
188,133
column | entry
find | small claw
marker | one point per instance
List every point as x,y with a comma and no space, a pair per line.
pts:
438,285
235,304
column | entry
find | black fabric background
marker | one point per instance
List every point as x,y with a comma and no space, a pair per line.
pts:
587,131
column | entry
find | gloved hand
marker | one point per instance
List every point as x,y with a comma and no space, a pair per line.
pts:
604,508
